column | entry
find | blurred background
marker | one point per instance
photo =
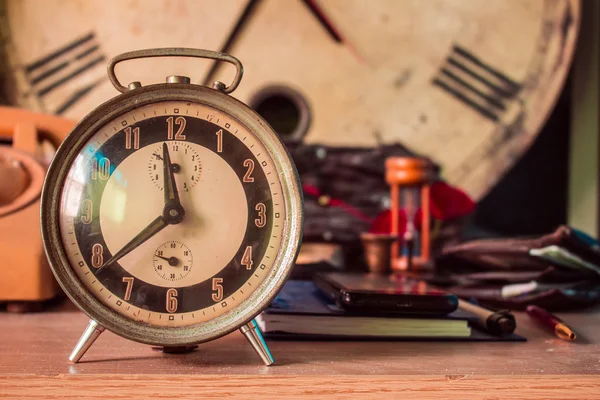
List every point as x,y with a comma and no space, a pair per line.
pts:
488,90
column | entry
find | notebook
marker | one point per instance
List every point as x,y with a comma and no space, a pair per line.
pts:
300,312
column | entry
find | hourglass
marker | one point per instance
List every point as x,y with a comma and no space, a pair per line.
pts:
409,179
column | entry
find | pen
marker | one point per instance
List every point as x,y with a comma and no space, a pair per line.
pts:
551,322
495,322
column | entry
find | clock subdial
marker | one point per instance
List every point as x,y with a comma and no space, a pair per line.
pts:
173,260
185,162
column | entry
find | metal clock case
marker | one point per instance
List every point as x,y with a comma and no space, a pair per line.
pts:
179,99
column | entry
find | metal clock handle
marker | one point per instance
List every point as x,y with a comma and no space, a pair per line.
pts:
177,52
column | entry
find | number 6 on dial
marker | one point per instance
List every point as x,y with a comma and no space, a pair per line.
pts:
171,300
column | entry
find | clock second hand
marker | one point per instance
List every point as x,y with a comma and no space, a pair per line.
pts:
172,214
173,261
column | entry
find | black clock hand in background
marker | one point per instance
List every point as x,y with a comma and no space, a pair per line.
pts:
329,26
313,7
229,42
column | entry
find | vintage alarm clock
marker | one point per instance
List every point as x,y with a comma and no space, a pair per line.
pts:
172,213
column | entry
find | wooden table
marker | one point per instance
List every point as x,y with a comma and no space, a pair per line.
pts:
34,350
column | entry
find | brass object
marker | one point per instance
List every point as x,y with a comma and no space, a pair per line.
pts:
176,52
324,200
178,79
134,85
378,251
101,315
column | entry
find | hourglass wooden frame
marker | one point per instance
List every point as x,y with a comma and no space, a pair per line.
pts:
412,175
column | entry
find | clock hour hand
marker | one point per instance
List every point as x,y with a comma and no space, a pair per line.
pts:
155,226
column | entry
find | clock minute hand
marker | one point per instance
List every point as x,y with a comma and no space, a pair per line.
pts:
152,229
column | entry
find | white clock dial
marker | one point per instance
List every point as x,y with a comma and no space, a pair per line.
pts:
199,267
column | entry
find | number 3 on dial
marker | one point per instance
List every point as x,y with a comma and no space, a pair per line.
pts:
262,216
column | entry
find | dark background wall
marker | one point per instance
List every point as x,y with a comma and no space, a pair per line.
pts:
532,197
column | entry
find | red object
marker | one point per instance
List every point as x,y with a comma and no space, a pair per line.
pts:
312,191
543,317
446,202
551,322
383,222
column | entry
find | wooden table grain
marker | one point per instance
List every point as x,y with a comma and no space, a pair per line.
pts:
34,365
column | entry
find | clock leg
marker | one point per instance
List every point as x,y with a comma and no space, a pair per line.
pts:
255,337
86,340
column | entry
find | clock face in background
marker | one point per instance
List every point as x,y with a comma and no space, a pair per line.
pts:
466,82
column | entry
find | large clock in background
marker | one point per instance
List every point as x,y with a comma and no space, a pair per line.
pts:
466,82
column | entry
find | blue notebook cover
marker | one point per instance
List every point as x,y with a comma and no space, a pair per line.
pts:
304,298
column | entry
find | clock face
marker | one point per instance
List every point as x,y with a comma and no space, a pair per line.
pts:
172,213
468,83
